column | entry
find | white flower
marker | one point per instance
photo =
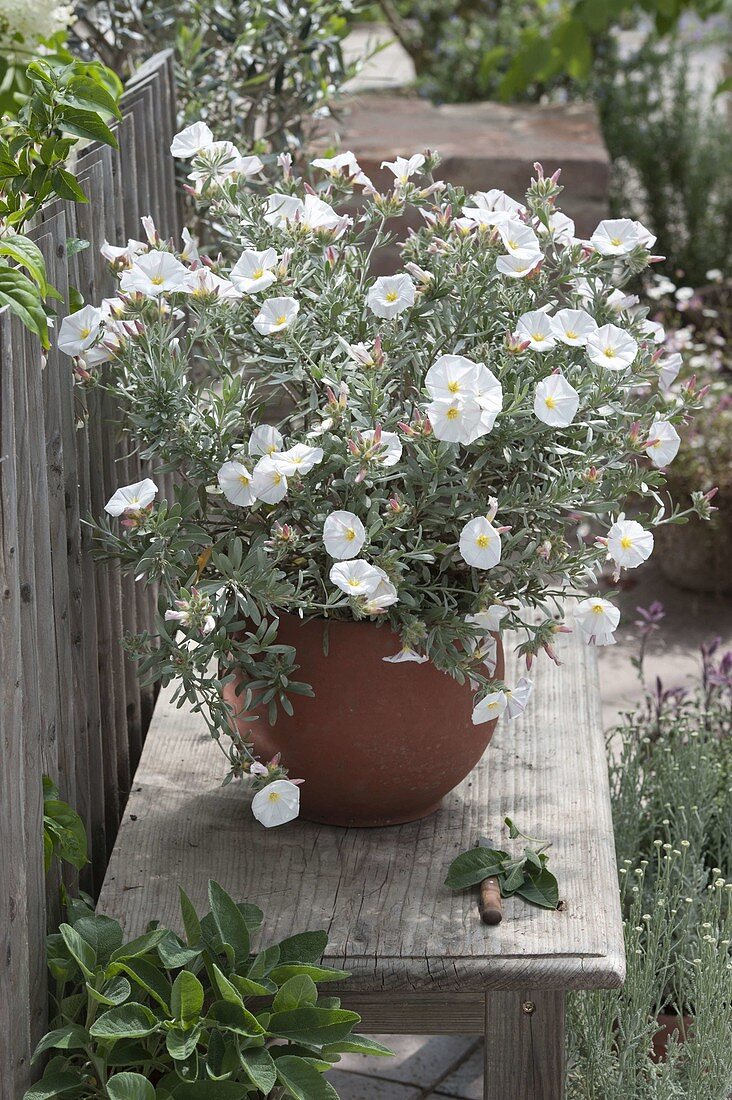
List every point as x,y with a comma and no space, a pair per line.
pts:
276,314
490,706
663,442
268,482
265,440
669,368
254,271
389,447
360,353
383,596
616,237
536,327
318,215
222,161
454,420
555,401
343,535
561,228
356,577
204,283
282,209
406,654
402,168
629,544
573,326
518,697
132,498
490,619
299,459
655,331
519,239
598,619
191,141
495,200
153,274
611,347
480,543
80,330
390,295
122,254
189,252
277,803
452,376
517,267
645,237
341,163
236,483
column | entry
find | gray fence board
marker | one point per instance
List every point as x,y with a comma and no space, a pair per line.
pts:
71,704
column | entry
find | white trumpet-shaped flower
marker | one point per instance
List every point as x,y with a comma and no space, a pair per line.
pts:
518,697
454,420
356,577
298,459
343,535
490,707
597,619
235,482
629,544
518,267
80,331
268,481
490,619
668,369
616,237
390,295
480,543
265,440
663,442
452,376
404,655
132,498
611,347
536,327
403,168
275,315
388,450
154,274
555,401
518,239
254,271
277,803
282,209
384,595
191,141
573,326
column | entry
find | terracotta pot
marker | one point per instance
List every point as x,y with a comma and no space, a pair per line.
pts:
380,744
695,555
668,1024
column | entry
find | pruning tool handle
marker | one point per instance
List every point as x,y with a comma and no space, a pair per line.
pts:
490,905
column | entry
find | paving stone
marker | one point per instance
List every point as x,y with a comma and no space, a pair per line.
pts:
357,1086
419,1059
466,1081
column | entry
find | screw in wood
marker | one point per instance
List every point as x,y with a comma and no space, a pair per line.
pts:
528,1008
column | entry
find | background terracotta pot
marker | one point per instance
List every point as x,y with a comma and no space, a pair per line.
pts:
380,744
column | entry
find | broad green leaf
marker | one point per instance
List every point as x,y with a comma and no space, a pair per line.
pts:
247,987
263,963
540,889
316,973
210,1090
186,1000
131,1021
473,866
23,298
180,1044
302,1080
147,976
26,253
233,1017
230,923
228,991
83,92
130,1086
174,954
191,922
313,1026
54,1084
113,993
259,1067
143,945
306,947
102,934
514,878
67,186
297,991
358,1044
70,1037
83,954
86,124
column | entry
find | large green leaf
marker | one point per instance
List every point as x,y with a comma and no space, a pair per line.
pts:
130,1086
147,976
260,1069
82,952
358,1044
316,973
230,923
26,253
23,298
180,1044
302,1080
233,1017
312,1025
143,945
54,1084
540,889
70,1037
131,1021
86,124
112,993
102,934
296,991
306,947
473,866
191,922
186,1000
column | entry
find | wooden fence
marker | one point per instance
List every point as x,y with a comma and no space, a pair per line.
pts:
71,706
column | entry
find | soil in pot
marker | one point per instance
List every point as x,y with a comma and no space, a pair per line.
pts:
380,743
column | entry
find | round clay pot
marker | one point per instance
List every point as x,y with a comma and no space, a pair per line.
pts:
669,1023
380,743
695,555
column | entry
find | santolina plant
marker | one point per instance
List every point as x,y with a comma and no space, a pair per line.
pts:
413,449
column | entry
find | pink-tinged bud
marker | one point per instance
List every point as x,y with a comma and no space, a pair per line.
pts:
539,170
331,255
377,434
601,540
529,661
353,447
690,385
394,505
592,474
657,355
503,530
207,261
703,392
634,433
555,175
656,259
360,476
189,190
587,251
711,494
406,428
426,426
332,399
378,354
309,190
561,628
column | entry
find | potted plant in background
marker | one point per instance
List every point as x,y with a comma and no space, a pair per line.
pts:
376,476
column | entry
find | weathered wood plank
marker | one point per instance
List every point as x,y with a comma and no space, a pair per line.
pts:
418,1013
380,893
524,1045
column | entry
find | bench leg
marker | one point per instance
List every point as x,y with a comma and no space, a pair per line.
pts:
524,1045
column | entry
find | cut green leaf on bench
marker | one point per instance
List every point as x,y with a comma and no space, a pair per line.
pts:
526,876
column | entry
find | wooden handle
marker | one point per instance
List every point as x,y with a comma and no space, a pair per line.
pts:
491,909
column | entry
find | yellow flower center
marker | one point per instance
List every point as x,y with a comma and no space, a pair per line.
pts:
597,609
609,353
512,244
349,534
615,241
258,273
274,796
571,334
276,479
157,280
281,320
453,413
482,541
243,479
550,402
84,333
391,296
626,542
538,336
354,582
453,387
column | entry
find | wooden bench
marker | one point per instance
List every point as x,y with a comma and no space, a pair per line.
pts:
421,960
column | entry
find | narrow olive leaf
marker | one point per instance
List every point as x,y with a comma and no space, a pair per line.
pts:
473,866
191,923
540,889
